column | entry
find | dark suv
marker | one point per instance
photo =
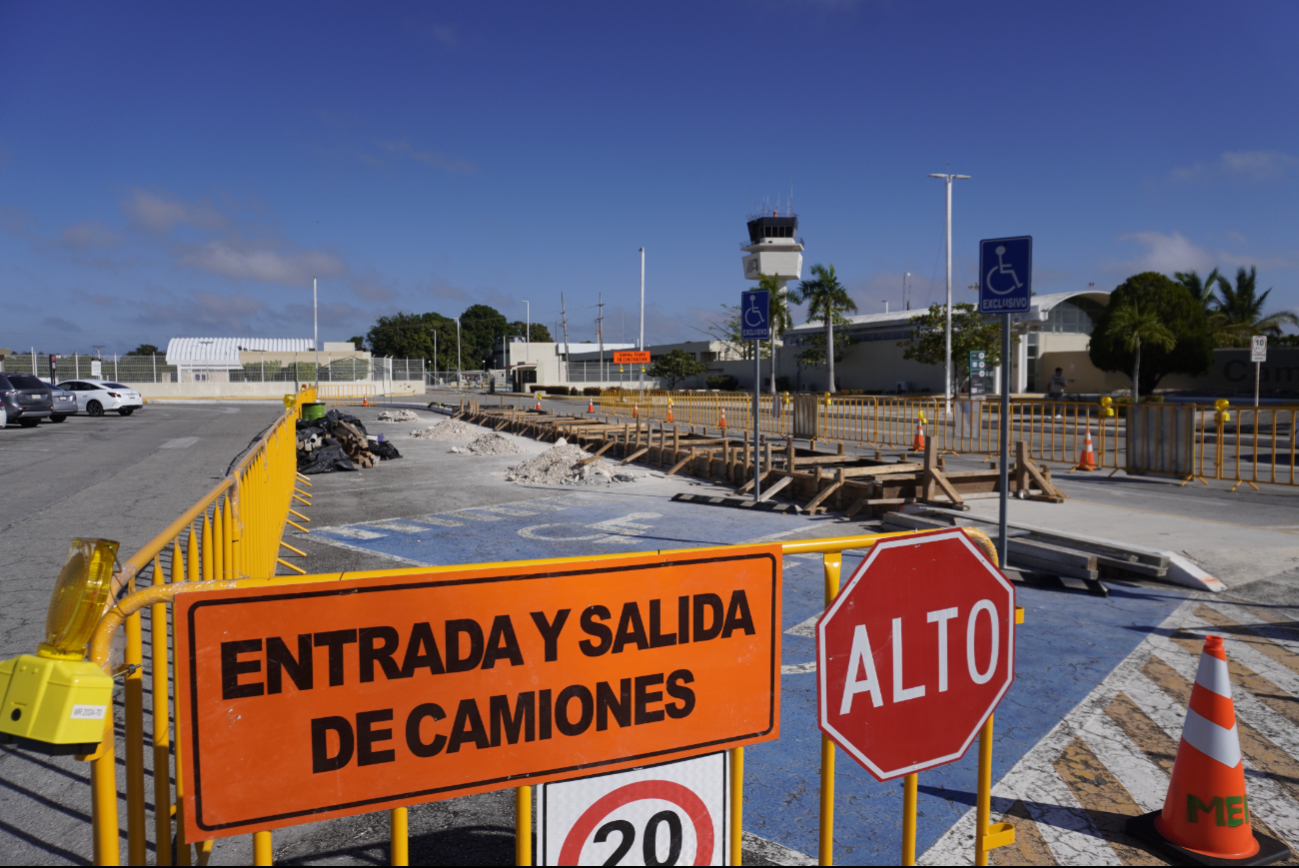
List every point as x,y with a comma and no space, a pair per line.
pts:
27,399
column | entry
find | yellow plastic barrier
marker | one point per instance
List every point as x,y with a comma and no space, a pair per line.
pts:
222,555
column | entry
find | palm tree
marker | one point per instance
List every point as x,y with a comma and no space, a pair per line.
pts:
1238,315
1201,289
826,300
778,316
1131,328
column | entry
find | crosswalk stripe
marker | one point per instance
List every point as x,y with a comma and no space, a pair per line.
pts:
1146,735
1261,654
1127,762
1029,847
1106,800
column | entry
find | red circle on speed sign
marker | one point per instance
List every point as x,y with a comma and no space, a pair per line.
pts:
915,653
668,791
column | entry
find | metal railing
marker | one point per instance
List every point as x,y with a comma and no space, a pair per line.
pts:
214,546
231,534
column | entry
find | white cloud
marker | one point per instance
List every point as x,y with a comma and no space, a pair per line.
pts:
1254,165
450,165
161,213
244,262
1166,253
90,233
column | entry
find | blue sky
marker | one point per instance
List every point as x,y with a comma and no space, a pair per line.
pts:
184,169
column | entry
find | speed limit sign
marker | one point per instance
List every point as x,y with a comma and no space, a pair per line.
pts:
671,814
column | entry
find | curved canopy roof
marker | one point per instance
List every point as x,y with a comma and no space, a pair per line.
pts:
224,352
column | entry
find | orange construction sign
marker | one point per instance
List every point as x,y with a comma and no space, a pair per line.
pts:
631,357
336,696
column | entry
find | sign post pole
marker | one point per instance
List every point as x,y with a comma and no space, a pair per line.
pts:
1257,355
1005,289
755,325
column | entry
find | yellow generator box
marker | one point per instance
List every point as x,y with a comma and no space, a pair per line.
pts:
54,706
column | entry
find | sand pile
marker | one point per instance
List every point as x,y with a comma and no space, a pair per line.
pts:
398,416
489,444
559,465
451,429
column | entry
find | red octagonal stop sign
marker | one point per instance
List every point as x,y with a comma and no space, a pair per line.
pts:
915,653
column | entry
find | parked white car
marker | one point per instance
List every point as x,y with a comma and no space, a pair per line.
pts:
95,397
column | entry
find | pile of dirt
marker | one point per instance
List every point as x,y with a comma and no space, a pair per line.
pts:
560,465
451,429
490,444
398,416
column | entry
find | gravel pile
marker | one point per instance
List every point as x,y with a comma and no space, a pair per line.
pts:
559,466
398,416
451,429
489,444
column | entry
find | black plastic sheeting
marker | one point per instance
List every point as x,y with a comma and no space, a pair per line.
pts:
330,456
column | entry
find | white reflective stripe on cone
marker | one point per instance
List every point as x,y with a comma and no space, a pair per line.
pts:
1213,675
1212,740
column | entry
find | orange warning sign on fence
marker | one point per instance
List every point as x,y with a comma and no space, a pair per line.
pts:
631,357
300,702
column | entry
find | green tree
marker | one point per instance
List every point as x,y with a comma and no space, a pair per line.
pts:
144,350
1130,327
357,341
676,366
970,331
538,334
1238,315
814,354
1201,290
481,326
410,336
1174,306
827,300
728,330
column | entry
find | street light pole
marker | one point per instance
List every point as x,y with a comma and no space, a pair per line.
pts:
641,345
947,332
527,331
459,358
315,328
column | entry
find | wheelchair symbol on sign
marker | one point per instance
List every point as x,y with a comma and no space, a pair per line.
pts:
754,318
1002,268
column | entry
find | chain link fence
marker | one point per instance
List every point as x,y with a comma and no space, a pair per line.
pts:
154,369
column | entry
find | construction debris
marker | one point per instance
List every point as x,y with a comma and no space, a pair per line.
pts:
451,429
815,480
489,444
398,416
566,464
338,442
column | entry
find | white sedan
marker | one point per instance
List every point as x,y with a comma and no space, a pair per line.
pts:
96,396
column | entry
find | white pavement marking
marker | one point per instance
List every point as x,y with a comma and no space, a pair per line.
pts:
806,628
398,526
769,852
1279,635
437,520
351,532
1126,761
476,516
370,552
179,443
798,668
507,510
1063,823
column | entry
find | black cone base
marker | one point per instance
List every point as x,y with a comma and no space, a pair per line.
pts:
1269,849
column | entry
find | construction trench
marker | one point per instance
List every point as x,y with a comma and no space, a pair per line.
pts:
805,480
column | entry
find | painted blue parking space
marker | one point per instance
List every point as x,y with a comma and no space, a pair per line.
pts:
1067,645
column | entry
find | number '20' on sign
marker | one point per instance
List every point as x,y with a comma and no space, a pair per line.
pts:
670,814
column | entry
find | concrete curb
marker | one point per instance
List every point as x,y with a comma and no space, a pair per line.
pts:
1182,571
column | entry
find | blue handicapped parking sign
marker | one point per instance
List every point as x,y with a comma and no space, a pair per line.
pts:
1005,275
755,322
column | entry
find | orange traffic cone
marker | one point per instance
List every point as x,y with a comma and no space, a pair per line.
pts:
722,423
538,405
1205,819
635,410
670,419
1087,461
918,442
365,402
590,405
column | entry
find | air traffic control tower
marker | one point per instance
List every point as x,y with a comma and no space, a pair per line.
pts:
774,248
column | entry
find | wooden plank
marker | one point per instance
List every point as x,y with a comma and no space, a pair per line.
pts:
1053,554
820,498
856,506
883,469
607,445
748,486
632,457
946,486
682,463
770,492
1041,565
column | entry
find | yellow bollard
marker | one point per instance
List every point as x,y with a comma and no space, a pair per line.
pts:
737,806
399,837
523,825
909,786
263,853
832,563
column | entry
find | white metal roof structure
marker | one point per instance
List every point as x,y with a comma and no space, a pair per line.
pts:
224,352
1039,311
